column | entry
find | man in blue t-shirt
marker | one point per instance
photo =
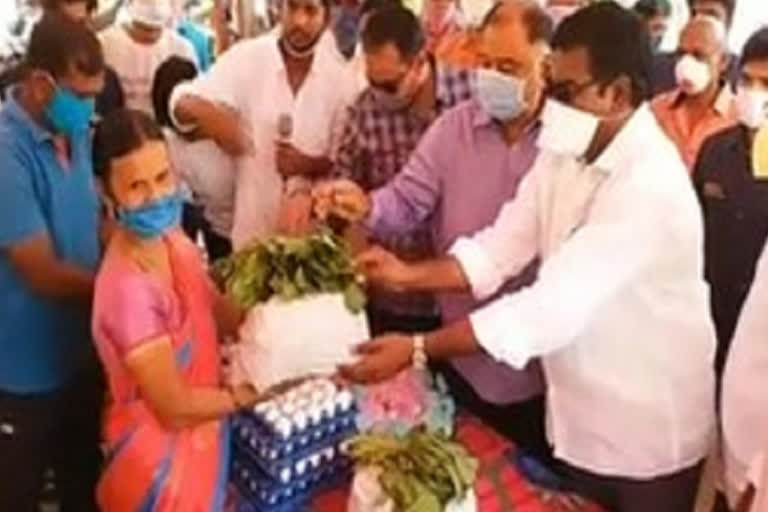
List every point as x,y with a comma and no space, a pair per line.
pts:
50,398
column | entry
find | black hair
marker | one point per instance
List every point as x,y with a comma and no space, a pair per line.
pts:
728,5
327,5
756,47
616,42
396,25
90,5
59,45
648,9
119,133
492,15
368,6
536,20
170,74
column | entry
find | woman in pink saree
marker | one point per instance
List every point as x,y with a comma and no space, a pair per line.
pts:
156,321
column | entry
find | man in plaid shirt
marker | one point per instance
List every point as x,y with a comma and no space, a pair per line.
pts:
408,91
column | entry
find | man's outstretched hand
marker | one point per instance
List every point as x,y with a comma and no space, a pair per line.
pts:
380,359
383,269
341,198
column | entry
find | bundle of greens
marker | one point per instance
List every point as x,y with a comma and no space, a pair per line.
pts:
291,268
420,472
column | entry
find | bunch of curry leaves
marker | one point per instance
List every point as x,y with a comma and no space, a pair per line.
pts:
420,472
291,268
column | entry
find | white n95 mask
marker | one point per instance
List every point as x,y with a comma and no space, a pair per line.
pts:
752,107
566,130
692,75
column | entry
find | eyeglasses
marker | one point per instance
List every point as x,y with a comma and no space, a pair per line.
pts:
566,91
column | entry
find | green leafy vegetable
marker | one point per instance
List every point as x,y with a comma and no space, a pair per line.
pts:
291,268
420,472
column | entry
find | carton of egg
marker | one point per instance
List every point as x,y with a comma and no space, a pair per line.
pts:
292,445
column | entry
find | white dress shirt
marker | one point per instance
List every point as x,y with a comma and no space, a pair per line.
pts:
210,173
251,78
745,391
620,312
136,64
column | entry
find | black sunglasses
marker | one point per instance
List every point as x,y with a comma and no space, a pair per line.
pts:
566,91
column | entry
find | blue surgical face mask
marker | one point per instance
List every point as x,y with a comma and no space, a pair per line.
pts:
69,113
154,219
500,95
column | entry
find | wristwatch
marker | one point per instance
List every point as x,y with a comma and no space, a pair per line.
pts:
419,356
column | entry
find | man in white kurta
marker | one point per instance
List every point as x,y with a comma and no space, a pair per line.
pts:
745,395
137,47
288,125
619,314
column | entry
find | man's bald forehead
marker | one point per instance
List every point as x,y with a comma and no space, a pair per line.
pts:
711,26
536,20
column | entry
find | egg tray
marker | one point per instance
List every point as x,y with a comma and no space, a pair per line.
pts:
259,492
309,458
253,437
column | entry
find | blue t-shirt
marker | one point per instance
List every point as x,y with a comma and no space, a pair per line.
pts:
43,341
200,42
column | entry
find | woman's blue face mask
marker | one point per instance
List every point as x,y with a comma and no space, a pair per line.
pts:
154,219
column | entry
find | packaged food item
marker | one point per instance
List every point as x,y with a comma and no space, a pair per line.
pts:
305,308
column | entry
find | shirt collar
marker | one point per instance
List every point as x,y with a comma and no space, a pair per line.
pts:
723,103
628,142
20,116
480,117
320,57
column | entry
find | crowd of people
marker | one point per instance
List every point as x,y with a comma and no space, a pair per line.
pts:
568,222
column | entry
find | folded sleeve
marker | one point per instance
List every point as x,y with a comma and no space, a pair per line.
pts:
551,313
226,82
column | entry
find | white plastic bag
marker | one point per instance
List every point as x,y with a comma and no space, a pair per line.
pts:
282,341
367,496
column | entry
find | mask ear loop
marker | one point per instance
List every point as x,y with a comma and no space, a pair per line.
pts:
50,79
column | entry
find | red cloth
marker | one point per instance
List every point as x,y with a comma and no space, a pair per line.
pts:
499,487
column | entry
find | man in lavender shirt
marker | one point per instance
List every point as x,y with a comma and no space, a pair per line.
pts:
468,164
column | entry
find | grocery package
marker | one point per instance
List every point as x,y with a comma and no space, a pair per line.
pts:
418,472
290,447
412,399
305,308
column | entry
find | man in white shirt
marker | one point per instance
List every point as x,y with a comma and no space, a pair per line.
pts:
205,170
137,48
744,400
619,314
287,96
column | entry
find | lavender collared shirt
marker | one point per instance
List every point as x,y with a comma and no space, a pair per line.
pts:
457,180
